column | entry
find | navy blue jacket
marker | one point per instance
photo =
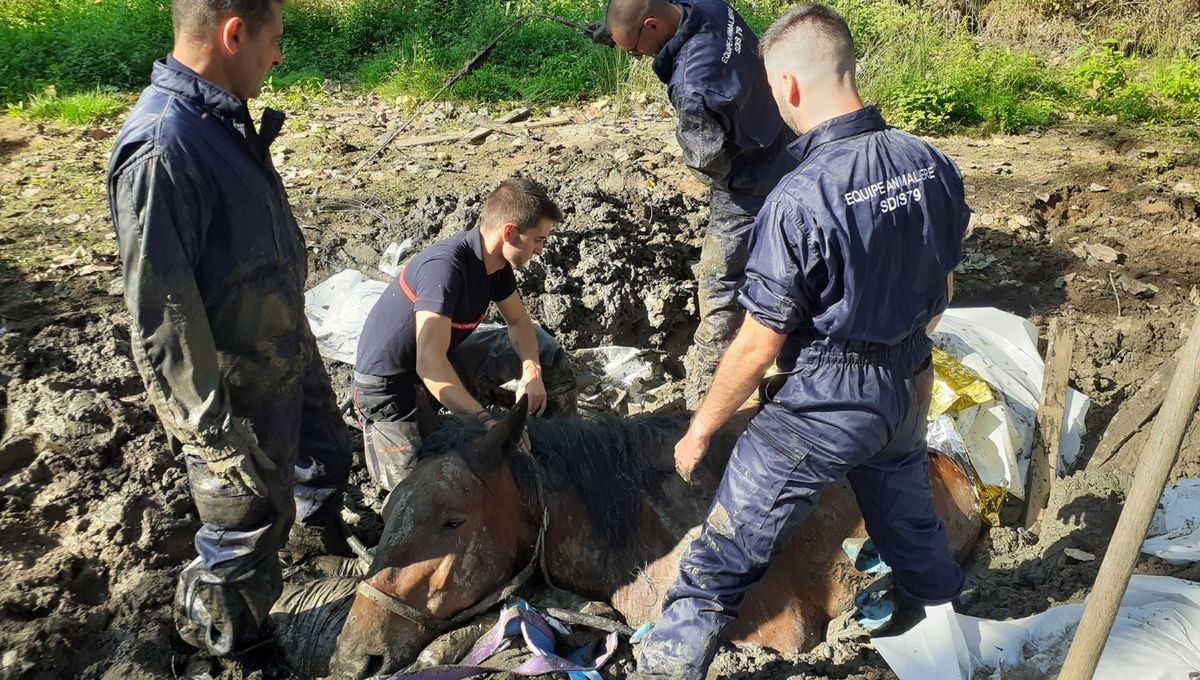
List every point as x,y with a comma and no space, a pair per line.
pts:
729,128
214,264
854,246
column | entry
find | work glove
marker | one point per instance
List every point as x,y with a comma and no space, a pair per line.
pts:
239,463
597,31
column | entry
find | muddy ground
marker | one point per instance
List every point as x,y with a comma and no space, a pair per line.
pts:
1093,223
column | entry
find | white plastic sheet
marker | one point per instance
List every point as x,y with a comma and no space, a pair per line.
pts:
1175,533
337,308
1156,636
1002,349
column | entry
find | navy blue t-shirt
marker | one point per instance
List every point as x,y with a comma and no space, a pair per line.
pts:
447,278
855,245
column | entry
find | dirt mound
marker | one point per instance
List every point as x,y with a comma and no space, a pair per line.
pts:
95,515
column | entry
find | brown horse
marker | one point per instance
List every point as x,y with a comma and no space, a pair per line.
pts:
600,507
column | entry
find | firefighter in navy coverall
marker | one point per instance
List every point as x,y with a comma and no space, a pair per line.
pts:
851,265
421,333
214,269
731,135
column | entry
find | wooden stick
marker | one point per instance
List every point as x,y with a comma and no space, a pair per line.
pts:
465,135
545,122
486,128
424,140
1134,412
1043,464
1158,457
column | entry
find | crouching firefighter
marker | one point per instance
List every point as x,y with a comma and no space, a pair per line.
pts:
421,334
851,266
214,270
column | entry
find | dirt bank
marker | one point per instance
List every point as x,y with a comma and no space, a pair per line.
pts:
1097,225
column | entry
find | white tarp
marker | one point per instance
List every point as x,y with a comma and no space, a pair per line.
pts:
1002,349
1156,636
337,308
610,377
1175,533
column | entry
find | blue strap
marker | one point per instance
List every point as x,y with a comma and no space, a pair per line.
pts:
537,630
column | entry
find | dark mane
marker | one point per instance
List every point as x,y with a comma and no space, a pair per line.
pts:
609,463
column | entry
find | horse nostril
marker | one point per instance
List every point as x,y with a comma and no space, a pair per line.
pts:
372,665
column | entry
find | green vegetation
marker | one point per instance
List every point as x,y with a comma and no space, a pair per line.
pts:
931,64
80,108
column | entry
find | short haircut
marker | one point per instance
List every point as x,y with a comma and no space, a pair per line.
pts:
203,16
519,201
828,36
628,15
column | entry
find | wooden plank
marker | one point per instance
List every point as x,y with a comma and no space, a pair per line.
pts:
492,126
486,128
424,140
466,135
1043,464
1135,412
545,122
1154,468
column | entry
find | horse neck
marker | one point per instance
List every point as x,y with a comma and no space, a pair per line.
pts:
579,559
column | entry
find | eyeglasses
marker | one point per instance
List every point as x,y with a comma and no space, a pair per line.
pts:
633,51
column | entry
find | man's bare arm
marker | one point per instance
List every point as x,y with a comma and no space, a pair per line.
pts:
434,367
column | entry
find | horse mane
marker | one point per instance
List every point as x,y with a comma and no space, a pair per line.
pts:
608,463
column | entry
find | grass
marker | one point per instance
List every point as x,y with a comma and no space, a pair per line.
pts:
80,108
1010,65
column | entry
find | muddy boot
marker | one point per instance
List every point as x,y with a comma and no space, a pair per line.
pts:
226,619
305,542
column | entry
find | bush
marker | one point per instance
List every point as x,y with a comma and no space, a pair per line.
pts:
1110,82
928,72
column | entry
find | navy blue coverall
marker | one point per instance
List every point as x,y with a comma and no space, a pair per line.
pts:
734,141
850,259
214,271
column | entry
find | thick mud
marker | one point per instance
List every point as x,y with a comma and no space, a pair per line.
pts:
1100,227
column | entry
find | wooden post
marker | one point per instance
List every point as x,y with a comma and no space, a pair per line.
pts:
1158,457
1043,462
1135,412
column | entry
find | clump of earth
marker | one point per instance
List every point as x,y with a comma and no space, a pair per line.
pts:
1095,225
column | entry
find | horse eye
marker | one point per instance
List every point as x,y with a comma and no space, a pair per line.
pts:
452,524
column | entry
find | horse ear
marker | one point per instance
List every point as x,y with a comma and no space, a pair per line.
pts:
427,420
499,443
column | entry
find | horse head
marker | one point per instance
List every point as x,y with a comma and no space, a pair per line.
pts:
456,531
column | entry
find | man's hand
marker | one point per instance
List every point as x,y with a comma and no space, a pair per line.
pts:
689,451
241,468
532,386
597,31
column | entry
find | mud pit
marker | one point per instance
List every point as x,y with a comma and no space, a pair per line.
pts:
95,517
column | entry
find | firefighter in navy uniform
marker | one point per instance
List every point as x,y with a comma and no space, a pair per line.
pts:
731,135
214,271
852,264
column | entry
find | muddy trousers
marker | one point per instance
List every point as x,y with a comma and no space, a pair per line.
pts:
226,594
721,273
859,416
486,360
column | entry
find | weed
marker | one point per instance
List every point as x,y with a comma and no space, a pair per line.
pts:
80,108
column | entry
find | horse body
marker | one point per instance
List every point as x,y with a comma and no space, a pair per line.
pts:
468,516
